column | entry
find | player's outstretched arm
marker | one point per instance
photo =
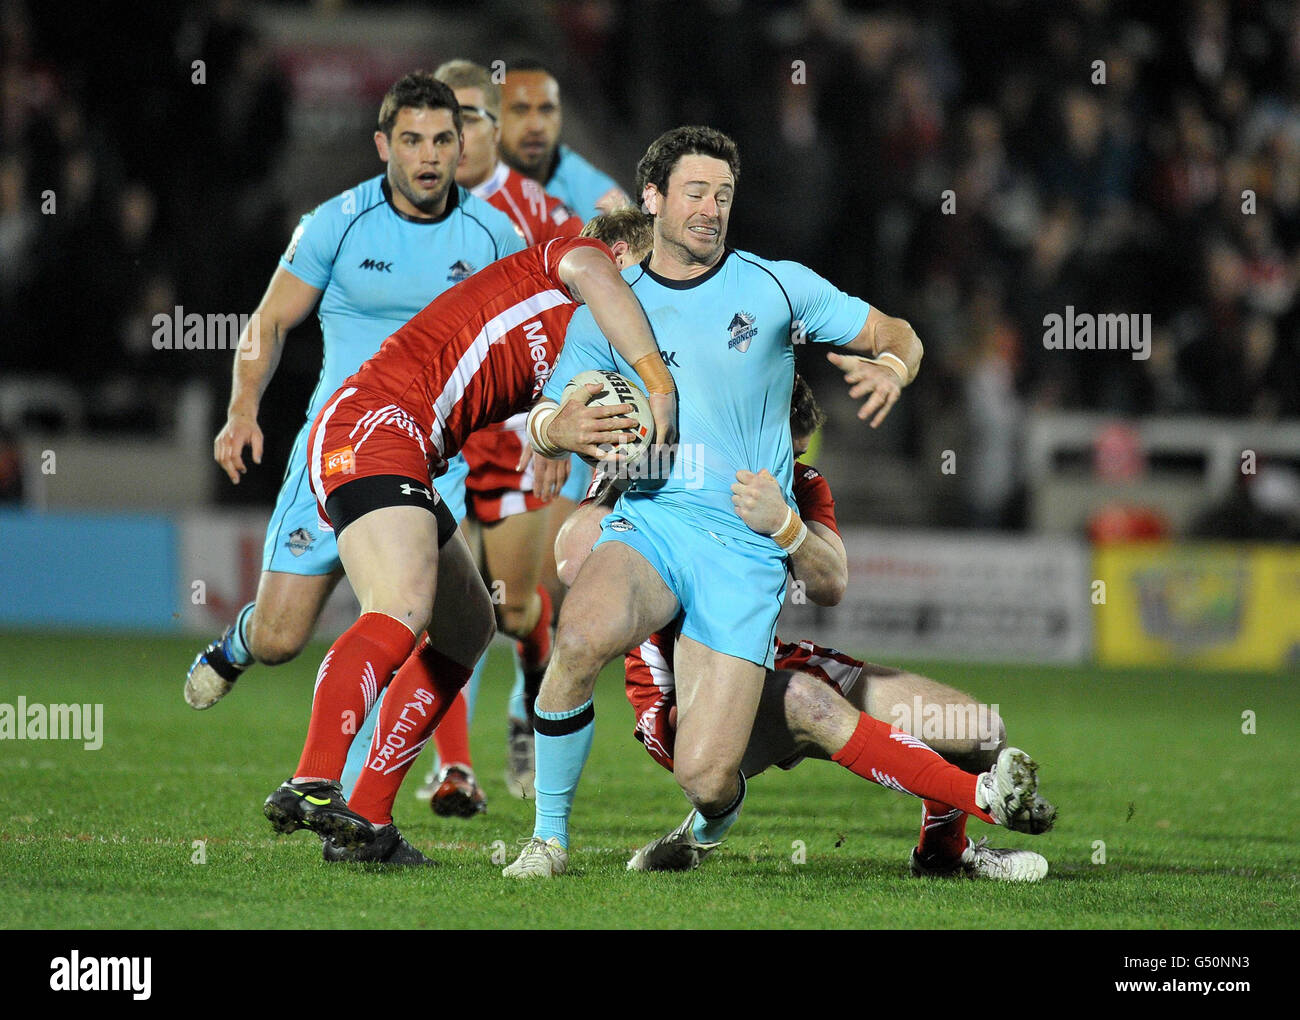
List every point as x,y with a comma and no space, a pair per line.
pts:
817,555
592,278
892,357
286,303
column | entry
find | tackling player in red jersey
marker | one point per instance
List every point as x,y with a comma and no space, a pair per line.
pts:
817,701
507,540
477,354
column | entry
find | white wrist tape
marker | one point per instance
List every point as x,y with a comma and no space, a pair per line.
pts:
538,419
899,366
790,535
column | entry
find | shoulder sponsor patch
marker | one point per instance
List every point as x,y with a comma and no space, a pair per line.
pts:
292,250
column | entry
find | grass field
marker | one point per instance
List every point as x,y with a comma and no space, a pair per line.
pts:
1201,823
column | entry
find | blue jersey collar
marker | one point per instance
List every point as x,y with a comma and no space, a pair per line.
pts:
663,281
453,203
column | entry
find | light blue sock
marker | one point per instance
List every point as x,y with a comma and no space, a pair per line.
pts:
714,830
516,708
360,747
471,688
563,743
235,645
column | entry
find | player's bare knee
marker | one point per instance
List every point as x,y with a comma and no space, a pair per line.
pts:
275,641
516,619
710,790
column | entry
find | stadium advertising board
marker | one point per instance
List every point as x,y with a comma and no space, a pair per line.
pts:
1208,605
955,596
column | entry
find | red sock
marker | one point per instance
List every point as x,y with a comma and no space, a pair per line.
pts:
452,736
535,649
900,761
943,831
424,689
355,669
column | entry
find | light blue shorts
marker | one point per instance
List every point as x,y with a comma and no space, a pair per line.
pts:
729,588
295,541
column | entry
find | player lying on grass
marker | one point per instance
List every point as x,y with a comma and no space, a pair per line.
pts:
475,355
820,703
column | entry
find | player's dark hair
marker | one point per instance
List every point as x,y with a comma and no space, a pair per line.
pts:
530,64
465,74
625,224
805,416
420,91
664,152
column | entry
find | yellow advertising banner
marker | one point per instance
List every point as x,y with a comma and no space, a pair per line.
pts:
1209,605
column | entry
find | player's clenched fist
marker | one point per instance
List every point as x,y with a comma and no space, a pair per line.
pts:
759,501
240,430
880,379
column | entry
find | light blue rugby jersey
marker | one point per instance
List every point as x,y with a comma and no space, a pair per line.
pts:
727,338
378,267
578,184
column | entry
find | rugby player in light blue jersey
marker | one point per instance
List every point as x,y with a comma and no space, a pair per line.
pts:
674,547
530,142
372,258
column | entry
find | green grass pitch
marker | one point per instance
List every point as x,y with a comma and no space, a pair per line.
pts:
1199,820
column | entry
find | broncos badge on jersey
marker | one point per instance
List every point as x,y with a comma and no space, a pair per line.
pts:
460,270
742,330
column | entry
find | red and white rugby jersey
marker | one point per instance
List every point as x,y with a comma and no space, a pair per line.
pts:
482,350
812,495
539,216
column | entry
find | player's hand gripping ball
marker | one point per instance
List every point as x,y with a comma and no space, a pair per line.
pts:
617,389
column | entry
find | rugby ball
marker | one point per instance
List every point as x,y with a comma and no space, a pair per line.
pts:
616,389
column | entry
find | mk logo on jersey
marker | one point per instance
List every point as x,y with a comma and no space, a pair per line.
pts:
670,358
341,460
742,330
375,264
460,270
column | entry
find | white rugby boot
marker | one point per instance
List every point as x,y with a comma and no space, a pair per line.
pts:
1009,792
539,859
677,851
979,860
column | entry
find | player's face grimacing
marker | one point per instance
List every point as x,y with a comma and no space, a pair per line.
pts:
530,121
481,134
691,219
422,155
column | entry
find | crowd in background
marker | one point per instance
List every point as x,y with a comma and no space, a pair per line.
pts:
972,167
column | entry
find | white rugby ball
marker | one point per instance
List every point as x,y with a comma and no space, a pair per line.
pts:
616,389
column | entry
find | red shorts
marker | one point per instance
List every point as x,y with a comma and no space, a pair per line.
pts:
651,688
494,490
361,435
